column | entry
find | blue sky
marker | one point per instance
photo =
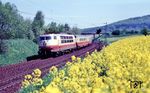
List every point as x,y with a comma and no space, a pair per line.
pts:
83,13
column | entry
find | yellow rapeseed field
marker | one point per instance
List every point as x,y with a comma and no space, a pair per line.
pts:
122,67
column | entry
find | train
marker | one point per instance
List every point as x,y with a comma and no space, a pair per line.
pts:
57,44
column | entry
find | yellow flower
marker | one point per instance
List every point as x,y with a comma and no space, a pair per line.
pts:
73,58
25,83
53,70
36,73
96,90
68,64
37,81
28,77
50,89
61,73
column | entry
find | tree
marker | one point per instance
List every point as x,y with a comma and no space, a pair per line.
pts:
98,31
67,28
0,3
52,28
5,19
123,32
116,32
37,24
12,24
144,31
29,33
61,28
75,30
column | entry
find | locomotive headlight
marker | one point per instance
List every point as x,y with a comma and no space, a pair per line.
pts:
44,43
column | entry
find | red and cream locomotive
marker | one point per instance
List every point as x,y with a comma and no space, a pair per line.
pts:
53,44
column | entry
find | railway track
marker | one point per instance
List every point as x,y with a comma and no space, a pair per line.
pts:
12,75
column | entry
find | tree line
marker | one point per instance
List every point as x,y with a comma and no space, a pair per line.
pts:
143,31
13,25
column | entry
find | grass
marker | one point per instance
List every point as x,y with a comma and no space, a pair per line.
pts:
112,39
18,50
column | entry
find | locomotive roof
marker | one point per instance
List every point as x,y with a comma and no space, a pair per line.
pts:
55,34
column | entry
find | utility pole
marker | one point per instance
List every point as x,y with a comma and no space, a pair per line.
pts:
105,32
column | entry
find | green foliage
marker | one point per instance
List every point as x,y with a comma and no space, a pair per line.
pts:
18,50
12,24
116,32
29,89
61,28
29,33
67,27
52,28
38,23
144,31
75,30
3,47
115,38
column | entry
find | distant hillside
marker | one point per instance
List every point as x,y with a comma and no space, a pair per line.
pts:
136,24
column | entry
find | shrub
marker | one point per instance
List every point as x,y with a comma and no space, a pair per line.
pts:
3,47
116,32
144,31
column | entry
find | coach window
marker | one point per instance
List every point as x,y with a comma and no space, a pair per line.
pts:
55,37
42,38
62,37
48,38
62,41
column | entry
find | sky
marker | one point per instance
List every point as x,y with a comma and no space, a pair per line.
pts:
83,13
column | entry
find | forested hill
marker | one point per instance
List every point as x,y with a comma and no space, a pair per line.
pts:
136,24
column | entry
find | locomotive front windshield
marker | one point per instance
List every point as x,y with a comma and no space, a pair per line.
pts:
45,38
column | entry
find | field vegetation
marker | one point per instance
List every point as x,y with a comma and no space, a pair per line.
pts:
112,39
113,70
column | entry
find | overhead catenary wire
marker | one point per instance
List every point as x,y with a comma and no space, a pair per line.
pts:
27,13
45,17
